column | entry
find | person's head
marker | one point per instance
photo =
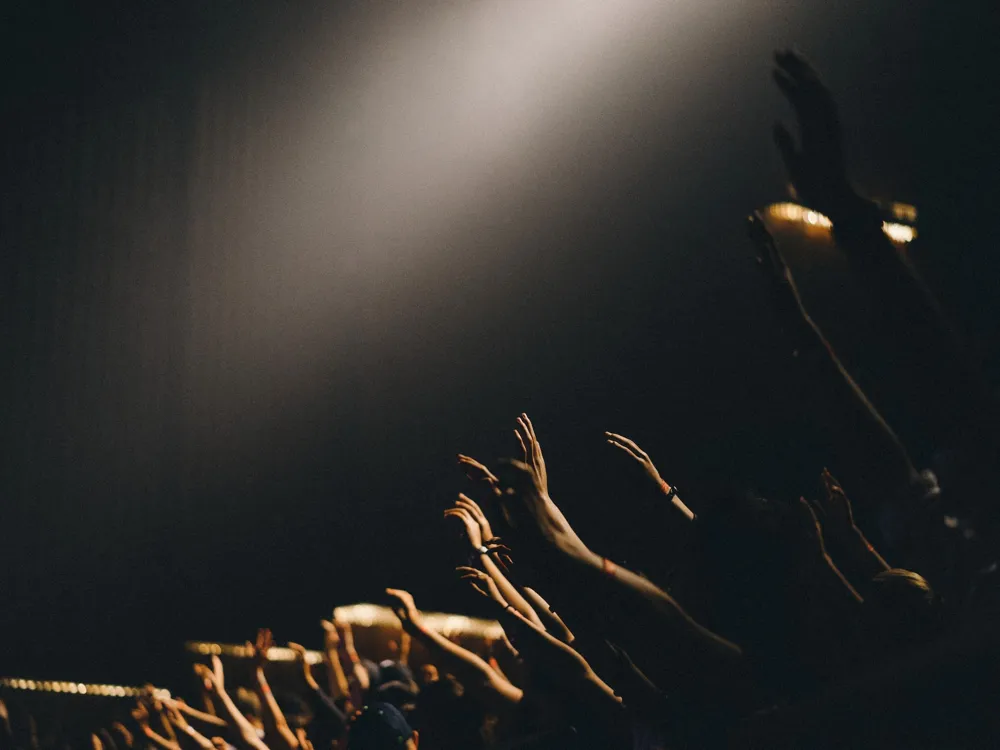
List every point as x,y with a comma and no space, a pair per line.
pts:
248,702
428,674
902,610
381,726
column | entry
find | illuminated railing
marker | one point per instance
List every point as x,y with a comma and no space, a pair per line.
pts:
369,615
76,688
364,616
901,233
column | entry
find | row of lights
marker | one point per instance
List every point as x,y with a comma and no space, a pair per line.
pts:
76,688
900,233
275,653
365,616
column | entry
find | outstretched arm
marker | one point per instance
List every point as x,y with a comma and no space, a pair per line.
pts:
246,730
592,588
335,677
952,385
633,450
477,530
877,456
857,556
461,658
184,708
277,733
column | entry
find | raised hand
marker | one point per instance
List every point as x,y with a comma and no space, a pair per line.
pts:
481,583
837,513
218,673
331,638
472,530
534,516
466,502
633,450
406,610
300,657
260,648
140,715
531,449
476,470
816,167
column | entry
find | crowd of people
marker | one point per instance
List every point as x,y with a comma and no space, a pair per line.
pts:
778,623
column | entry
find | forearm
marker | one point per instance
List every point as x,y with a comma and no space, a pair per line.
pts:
275,726
652,622
239,722
157,739
871,451
465,660
201,716
404,648
859,558
196,738
551,621
507,590
336,679
950,383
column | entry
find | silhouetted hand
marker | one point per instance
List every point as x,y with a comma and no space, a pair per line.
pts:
472,531
531,449
300,657
478,471
260,648
838,516
482,583
816,167
331,638
633,450
140,714
467,503
533,515
406,610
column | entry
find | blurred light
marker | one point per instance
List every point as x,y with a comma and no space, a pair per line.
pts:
75,688
793,212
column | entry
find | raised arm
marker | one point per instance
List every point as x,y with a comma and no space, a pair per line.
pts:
876,456
186,730
277,733
857,556
141,716
477,529
669,491
328,719
593,588
473,665
358,669
245,729
202,716
335,677
952,385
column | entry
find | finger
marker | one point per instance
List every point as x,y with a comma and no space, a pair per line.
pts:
531,427
466,500
630,443
625,448
520,441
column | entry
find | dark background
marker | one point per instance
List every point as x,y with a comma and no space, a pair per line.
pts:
187,457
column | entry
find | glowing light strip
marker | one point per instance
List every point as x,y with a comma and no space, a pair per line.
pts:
794,212
275,653
77,688
366,616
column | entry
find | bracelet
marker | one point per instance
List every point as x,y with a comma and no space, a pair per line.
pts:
669,489
608,567
483,550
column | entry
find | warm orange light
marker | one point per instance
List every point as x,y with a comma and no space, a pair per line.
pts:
793,212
